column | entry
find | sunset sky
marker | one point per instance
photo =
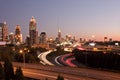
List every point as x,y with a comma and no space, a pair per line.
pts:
80,18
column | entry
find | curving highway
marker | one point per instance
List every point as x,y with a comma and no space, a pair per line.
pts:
73,73
63,60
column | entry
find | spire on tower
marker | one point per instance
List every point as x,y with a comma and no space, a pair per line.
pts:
4,22
32,19
59,30
18,27
59,33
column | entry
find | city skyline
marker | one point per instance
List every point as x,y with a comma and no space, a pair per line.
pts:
80,18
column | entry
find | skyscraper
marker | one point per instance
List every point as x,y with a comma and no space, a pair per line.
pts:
59,34
12,38
42,38
27,41
59,38
18,35
3,32
33,31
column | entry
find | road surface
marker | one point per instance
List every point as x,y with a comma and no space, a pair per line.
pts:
69,73
42,75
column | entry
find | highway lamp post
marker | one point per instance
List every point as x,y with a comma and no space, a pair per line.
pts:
21,51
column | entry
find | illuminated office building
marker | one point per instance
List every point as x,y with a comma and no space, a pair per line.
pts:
59,38
42,38
33,32
3,32
12,38
18,35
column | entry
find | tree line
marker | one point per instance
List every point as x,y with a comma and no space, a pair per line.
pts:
7,71
8,55
98,59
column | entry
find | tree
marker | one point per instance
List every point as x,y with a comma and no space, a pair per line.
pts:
60,77
19,74
8,70
1,72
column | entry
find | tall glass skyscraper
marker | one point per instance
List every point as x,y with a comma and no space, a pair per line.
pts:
33,31
18,35
3,32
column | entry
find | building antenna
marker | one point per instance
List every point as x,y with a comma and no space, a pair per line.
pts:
58,24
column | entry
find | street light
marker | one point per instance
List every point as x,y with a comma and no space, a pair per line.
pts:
21,51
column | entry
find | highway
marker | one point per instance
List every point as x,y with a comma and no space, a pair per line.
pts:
69,73
60,60
42,75
41,72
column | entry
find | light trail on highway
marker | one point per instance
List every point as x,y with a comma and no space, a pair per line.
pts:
42,57
56,60
69,62
65,60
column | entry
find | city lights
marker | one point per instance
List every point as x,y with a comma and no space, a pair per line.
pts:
59,39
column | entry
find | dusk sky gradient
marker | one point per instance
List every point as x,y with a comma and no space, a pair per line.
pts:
80,18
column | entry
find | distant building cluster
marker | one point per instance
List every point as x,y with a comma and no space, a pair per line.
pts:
39,40
33,39
12,38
